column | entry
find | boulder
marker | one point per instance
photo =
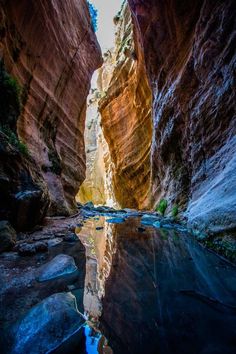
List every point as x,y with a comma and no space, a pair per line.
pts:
28,249
59,266
30,208
48,325
7,236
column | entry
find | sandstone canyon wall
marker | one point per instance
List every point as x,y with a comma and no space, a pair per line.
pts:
97,186
50,47
125,109
189,50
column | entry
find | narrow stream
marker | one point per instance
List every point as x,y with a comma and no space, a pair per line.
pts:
155,291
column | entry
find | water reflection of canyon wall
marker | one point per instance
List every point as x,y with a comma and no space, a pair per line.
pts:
100,246
163,295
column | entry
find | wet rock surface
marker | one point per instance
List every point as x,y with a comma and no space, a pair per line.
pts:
59,266
47,325
117,220
19,288
152,289
28,249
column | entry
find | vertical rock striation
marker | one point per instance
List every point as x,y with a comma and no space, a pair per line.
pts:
92,189
125,110
189,50
50,47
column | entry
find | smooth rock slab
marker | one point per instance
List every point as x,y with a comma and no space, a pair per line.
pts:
48,325
59,266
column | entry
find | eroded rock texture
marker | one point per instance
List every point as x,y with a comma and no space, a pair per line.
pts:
50,47
24,195
189,50
126,116
97,186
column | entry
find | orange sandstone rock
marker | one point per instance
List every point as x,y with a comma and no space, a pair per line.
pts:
50,47
126,116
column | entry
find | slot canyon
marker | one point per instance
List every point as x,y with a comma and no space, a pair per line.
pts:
118,176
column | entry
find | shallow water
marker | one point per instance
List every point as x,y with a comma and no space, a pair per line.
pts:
156,291
142,289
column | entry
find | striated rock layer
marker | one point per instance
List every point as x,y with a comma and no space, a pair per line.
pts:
189,50
125,110
97,186
50,47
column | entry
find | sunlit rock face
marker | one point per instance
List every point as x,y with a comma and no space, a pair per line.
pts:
97,186
92,188
50,47
189,50
125,109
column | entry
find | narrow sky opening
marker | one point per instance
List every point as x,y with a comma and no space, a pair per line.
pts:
107,9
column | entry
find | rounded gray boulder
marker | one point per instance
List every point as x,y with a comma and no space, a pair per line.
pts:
59,266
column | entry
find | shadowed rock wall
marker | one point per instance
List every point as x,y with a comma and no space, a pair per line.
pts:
50,47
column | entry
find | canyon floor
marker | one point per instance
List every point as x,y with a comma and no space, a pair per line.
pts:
142,283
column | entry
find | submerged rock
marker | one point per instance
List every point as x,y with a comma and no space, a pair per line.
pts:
149,219
7,236
117,220
89,205
157,224
59,266
47,325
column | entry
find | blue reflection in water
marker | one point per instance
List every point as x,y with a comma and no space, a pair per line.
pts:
92,340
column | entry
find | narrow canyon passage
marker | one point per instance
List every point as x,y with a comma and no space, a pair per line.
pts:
118,127
117,177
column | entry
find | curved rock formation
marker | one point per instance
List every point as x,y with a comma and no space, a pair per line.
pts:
126,116
97,186
189,50
50,47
